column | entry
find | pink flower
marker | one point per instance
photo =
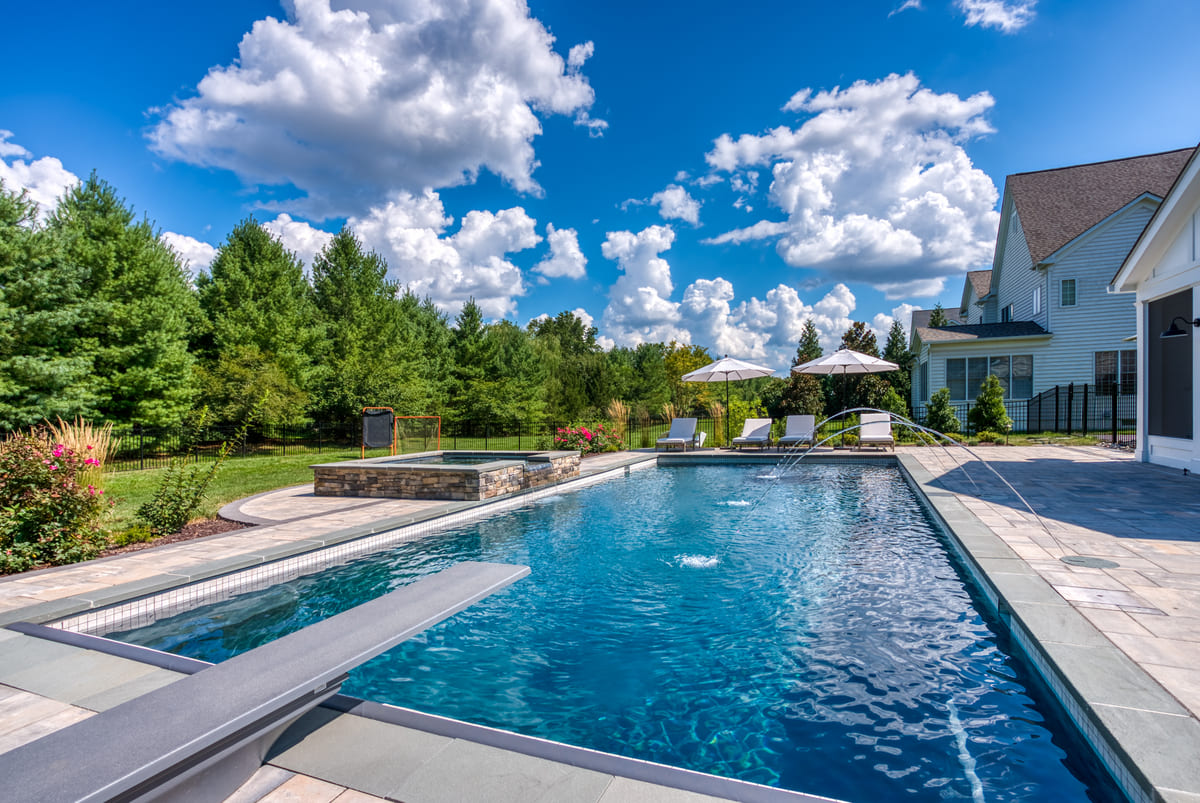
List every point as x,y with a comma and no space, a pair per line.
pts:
91,461
58,450
91,490
53,467
90,447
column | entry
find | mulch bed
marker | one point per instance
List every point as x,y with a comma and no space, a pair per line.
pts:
197,529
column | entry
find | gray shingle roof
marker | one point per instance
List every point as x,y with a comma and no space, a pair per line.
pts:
1056,206
979,331
981,282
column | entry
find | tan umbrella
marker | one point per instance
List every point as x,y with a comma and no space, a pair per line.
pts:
845,361
724,370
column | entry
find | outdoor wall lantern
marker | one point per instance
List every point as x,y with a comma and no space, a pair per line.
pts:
1175,331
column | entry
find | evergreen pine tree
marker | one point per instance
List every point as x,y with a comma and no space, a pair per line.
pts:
45,358
938,316
803,393
371,356
989,413
896,350
140,306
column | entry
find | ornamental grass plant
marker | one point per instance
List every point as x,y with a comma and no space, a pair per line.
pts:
82,436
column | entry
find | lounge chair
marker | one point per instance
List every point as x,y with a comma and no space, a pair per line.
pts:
800,430
756,432
681,434
876,430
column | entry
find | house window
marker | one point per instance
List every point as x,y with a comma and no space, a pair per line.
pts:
1066,297
1114,367
923,381
1037,300
1006,314
965,375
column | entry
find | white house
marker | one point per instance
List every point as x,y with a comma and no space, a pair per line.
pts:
1043,316
1163,270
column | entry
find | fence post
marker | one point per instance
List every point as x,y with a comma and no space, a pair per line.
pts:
1071,406
1084,422
141,447
1115,389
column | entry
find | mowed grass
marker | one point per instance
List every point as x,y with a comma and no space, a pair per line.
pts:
240,477
237,478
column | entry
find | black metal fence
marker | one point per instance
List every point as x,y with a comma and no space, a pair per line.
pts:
1066,410
1080,410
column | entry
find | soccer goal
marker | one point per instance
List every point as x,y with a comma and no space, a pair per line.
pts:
418,433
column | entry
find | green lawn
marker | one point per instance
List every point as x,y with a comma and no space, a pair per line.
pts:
237,478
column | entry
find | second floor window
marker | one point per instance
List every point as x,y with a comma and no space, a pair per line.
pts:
1067,296
1006,314
1037,300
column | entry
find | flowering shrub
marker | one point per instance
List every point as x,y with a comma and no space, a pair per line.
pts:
48,513
586,440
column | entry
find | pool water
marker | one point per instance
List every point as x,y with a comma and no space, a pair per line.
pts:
807,631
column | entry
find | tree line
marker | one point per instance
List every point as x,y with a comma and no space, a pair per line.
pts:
99,319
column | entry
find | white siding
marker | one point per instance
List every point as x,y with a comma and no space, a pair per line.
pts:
1099,321
1017,278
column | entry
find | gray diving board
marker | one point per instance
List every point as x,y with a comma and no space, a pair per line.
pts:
202,736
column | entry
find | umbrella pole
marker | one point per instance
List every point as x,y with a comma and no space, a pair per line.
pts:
727,443
843,409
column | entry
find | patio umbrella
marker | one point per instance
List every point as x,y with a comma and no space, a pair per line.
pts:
845,361
724,370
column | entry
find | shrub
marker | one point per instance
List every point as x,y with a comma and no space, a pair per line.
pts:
987,436
48,514
989,413
182,488
939,416
587,440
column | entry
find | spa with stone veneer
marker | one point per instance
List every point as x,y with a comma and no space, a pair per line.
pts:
455,475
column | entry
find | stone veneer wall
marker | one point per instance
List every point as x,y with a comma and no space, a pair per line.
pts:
467,483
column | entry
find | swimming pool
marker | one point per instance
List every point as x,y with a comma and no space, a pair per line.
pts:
819,640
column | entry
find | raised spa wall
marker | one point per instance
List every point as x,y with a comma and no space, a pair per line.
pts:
388,477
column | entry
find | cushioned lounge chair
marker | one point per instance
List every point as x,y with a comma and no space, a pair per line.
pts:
799,431
876,430
681,434
756,432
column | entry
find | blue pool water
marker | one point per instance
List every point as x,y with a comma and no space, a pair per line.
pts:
807,632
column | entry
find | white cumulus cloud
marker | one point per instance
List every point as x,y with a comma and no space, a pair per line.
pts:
874,184
351,105
565,258
298,237
45,180
410,233
196,255
1007,15
675,203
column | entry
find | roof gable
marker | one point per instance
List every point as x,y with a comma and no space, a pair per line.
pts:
1164,226
1056,206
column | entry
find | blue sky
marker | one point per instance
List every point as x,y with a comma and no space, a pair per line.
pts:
707,172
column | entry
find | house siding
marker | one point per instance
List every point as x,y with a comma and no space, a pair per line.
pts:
1099,321
1017,278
